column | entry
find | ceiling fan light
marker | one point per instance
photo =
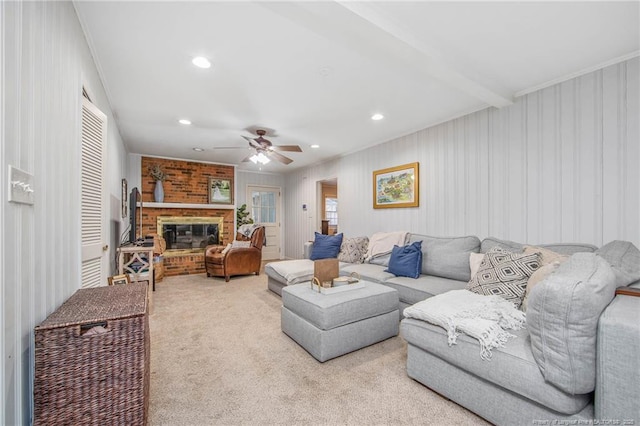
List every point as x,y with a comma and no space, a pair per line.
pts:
254,159
263,159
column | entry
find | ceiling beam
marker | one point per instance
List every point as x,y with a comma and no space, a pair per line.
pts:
427,58
361,28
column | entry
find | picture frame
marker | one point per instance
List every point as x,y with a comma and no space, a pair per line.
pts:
123,197
396,187
220,190
119,279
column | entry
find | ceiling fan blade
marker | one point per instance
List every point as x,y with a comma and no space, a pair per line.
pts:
291,148
230,147
281,158
247,158
252,142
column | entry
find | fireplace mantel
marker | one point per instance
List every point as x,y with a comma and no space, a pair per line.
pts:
187,206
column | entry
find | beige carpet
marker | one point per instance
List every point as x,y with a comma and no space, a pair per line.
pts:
218,356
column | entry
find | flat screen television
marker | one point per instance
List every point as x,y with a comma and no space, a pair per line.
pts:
134,220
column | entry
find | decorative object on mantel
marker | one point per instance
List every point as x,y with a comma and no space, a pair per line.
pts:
220,191
159,176
396,187
242,216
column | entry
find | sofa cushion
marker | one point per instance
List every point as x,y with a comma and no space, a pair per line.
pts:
624,259
491,242
504,273
562,248
511,367
413,291
353,250
406,261
562,319
290,271
326,246
382,260
570,248
366,271
447,257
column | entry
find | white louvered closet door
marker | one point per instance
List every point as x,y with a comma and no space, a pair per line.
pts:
94,134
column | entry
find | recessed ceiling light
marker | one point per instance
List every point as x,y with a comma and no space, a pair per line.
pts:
198,149
315,146
184,121
377,117
201,61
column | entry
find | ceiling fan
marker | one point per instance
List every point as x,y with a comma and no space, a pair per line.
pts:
266,151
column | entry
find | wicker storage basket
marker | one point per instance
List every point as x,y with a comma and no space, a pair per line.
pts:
85,378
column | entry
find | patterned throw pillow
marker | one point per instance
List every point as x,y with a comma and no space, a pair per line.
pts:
353,250
503,273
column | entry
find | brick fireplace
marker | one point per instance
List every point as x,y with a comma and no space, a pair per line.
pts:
186,196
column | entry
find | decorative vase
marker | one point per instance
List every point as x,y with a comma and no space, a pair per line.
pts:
158,192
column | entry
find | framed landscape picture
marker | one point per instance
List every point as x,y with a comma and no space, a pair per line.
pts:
220,191
396,187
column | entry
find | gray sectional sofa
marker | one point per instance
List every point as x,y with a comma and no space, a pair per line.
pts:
577,360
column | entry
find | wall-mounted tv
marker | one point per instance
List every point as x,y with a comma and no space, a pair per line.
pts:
135,222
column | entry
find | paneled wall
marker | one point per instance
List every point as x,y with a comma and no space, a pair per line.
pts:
45,62
560,165
246,178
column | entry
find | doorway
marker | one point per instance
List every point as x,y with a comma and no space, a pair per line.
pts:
328,206
264,205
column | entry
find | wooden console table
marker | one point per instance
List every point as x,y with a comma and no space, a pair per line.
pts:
132,261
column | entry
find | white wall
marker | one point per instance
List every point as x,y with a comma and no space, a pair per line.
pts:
46,60
301,188
560,165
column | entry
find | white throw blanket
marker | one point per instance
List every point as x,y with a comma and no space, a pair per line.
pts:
482,317
382,243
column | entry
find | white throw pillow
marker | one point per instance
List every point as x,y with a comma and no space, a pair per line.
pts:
475,259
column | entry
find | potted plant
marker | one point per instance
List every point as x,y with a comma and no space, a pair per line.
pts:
159,176
242,216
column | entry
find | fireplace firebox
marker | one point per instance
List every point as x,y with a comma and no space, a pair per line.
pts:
185,235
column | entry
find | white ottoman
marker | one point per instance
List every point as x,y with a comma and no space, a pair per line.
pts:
330,325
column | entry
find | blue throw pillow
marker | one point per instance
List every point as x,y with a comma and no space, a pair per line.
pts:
326,246
406,261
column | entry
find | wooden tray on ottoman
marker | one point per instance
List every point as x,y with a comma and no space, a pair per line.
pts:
85,377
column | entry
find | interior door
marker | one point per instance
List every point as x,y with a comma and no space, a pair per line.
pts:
93,230
264,205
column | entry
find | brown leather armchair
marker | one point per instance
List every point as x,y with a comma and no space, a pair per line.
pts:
238,260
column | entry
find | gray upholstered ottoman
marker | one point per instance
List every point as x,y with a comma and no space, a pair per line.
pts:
330,325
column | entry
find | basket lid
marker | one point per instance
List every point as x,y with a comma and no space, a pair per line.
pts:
99,304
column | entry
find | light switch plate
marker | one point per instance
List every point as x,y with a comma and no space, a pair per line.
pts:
20,186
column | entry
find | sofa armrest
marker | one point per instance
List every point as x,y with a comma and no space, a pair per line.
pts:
628,291
618,359
308,246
